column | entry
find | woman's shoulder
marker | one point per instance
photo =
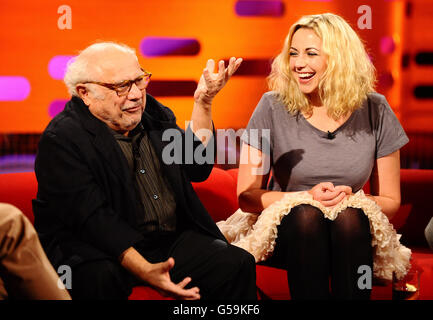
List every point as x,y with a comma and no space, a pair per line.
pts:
377,99
378,105
374,105
377,108
271,95
272,100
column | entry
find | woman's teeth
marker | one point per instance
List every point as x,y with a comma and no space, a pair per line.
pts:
306,75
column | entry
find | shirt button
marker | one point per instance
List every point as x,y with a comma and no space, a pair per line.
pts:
142,171
155,196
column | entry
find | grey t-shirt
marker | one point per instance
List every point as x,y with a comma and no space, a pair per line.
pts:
303,156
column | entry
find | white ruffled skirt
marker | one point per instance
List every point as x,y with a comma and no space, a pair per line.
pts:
256,233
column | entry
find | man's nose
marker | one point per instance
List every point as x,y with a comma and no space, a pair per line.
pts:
135,93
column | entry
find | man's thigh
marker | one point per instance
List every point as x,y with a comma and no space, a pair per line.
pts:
208,261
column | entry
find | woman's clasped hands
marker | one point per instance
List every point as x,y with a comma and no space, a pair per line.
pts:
328,194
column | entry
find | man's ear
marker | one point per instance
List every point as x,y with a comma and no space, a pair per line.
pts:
83,93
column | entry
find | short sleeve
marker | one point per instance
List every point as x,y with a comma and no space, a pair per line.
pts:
259,128
390,135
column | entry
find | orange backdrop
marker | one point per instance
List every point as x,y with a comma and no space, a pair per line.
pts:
30,38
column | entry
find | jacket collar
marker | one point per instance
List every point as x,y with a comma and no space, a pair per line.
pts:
155,119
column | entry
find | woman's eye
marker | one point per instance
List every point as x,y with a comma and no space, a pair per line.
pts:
292,54
312,54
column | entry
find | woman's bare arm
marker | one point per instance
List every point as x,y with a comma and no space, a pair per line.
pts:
385,183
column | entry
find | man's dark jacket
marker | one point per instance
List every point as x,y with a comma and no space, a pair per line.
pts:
86,203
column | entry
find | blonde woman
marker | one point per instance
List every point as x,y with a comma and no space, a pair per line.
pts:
329,133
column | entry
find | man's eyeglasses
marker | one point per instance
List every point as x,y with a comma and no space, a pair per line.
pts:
123,88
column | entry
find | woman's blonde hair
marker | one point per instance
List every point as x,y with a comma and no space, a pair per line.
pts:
349,75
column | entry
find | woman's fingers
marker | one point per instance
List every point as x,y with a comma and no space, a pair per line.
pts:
326,186
329,195
346,189
334,201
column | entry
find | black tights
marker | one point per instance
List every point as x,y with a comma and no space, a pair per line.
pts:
314,249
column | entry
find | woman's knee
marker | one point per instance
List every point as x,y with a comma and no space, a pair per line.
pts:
351,224
304,219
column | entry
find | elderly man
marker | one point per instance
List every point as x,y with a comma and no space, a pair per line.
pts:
111,208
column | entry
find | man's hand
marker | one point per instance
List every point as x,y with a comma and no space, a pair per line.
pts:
211,83
328,195
157,275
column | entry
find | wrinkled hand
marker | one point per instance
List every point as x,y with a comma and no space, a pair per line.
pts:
328,195
159,278
211,83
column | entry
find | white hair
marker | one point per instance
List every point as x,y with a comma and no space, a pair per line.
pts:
78,69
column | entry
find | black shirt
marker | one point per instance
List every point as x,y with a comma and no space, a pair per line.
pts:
157,202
